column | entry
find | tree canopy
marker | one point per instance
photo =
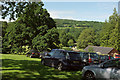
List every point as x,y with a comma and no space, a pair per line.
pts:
34,27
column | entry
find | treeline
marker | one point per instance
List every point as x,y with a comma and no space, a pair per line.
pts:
69,36
108,36
74,23
99,34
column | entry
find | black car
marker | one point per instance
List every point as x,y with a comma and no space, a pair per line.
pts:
89,58
33,53
62,59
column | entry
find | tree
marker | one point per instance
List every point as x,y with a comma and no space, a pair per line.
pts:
86,37
4,26
65,37
110,32
34,27
71,42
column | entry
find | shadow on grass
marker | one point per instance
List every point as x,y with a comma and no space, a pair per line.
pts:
34,70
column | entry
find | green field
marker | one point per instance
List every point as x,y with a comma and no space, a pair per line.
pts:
70,27
20,67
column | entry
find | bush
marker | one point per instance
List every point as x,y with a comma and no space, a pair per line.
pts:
67,48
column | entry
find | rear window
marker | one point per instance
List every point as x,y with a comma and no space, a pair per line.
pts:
74,55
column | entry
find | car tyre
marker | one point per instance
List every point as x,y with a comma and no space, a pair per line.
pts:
89,76
60,66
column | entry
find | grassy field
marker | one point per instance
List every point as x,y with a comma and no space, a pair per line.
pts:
69,27
20,67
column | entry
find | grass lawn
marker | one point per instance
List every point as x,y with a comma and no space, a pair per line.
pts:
20,67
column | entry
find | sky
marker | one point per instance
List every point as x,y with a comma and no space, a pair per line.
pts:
80,10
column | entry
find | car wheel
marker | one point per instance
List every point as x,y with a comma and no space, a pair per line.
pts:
89,76
60,66
42,62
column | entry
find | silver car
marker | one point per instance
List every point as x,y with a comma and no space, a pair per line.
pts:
108,70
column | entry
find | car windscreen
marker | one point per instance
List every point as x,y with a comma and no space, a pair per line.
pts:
74,55
93,55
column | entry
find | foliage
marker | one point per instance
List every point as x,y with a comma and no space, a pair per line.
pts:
110,32
86,37
34,28
74,23
67,48
71,42
70,27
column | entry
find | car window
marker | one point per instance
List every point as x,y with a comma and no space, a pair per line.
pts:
51,53
111,63
59,53
74,55
85,55
117,55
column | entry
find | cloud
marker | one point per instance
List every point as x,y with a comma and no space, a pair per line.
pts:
61,14
6,20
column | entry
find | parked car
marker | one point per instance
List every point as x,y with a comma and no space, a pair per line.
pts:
33,53
117,56
42,54
103,58
89,58
108,70
62,59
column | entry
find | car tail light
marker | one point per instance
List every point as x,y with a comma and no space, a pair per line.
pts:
90,60
33,53
38,53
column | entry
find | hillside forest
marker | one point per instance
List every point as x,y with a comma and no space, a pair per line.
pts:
34,28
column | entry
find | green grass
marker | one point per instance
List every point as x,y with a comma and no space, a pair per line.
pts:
20,67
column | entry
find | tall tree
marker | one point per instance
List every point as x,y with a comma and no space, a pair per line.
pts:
33,26
110,36
86,38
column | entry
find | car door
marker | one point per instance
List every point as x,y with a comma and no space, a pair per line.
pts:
105,71
115,74
57,57
48,58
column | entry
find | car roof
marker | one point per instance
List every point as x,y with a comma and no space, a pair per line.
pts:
64,50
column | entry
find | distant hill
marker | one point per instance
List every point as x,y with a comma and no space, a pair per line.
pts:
75,23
